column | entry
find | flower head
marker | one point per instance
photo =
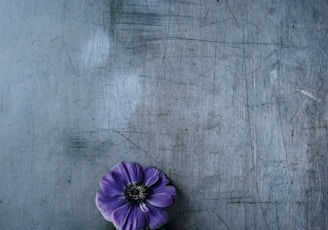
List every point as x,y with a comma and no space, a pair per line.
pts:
133,198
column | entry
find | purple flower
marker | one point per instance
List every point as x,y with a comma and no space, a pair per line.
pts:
133,198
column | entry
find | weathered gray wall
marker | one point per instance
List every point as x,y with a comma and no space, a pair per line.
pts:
228,98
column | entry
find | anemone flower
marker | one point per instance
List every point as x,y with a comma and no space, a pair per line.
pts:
134,198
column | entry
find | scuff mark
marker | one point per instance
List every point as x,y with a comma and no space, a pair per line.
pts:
139,147
309,94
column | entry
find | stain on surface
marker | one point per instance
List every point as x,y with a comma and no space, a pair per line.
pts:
115,7
76,143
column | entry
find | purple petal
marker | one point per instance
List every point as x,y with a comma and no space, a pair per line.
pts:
131,172
135,172
136,220
161,200
120,170
112,184
164,180
106,204
152,172
143,207
120,215
129,217
157,217
151,176
170,190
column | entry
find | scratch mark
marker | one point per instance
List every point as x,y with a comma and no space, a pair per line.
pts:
175,82
233,42
309,94
239,197
56,38
92,49
302,226
213,87
234,18
206,15
255,134
270,202
139,147
284,150
277,217
195,210
164,57
174,16
216,22
252,134
225,224
68,55
300,111
320,188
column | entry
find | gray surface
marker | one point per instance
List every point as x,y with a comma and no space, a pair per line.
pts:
228,98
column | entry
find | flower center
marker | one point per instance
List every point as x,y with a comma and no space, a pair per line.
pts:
136,193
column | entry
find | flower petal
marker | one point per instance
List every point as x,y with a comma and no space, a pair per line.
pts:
136,220
129,217
120,170
113,184
131,172
170,190
143,207
121,215
135,171
157,217
151,172
106,204
154,176
161,200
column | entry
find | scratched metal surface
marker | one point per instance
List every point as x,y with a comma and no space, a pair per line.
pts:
229,98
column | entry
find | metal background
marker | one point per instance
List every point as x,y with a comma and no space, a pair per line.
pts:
228,98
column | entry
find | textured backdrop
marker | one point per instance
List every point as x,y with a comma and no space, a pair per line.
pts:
229,98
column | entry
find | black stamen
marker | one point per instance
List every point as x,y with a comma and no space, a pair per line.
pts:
136,193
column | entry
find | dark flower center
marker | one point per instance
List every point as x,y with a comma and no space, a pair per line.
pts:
136,193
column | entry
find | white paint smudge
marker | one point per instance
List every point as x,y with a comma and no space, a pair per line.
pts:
122,96
309,94
274,75
96,51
